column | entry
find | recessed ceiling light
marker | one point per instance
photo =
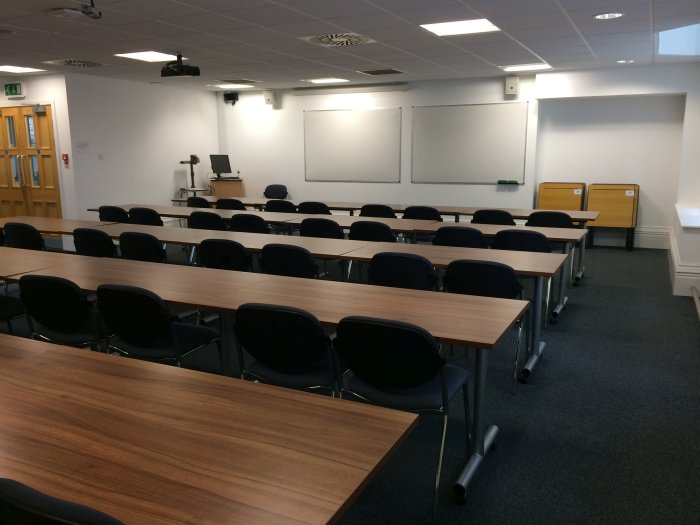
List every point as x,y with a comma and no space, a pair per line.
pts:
230,86
608,16
148,56
526,67
18,69
326,80
625,61
461,27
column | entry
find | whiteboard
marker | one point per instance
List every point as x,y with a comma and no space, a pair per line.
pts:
352,145
470,144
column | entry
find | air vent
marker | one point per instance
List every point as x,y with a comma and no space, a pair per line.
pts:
74,62
339,39
379,72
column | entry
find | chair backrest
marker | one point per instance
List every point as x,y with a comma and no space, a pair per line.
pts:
550,219
377,210
275,191
486,278
286,259
136,315
198,202
20,235
246,222
402,270
422,212
521,240
21,504
223,254
57,303
113,214
95,243
285,339
461,236
319,208
146,216
326,228
280,206
206,220
387,354
141,247
371,231
493,217
229,204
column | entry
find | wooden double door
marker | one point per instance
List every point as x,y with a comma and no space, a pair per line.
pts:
28,163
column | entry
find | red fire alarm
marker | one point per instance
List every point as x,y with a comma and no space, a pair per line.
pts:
66,160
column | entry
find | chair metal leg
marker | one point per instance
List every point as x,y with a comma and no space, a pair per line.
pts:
439,465
518,344
548,297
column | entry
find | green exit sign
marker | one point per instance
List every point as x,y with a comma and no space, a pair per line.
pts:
13,90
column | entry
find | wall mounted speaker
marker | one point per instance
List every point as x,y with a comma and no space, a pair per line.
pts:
511,86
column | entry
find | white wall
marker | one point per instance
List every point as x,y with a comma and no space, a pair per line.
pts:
128,138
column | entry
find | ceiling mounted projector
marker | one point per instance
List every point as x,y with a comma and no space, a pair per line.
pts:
178,69
84,10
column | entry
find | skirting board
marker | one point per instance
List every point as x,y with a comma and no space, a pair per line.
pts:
683,276
656,238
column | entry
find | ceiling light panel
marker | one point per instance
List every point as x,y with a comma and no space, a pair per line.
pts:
148,56
19,69
329,80
526,67
461,27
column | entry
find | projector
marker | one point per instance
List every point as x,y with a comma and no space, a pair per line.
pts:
178,69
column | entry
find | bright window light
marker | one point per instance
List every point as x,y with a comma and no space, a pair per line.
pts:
149,56
461,27
683,41
230,86
608,16
326,80
526,67
18,69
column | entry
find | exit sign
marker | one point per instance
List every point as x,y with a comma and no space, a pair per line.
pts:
13,90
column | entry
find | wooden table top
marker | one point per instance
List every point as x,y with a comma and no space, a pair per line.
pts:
396,225
524,213
182,212
489,230
523,263
155,444
53,224
14,261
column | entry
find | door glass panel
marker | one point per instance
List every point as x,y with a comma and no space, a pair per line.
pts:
15,171
31,136
12,139
34,162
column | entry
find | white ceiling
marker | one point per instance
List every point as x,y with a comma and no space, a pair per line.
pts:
261,39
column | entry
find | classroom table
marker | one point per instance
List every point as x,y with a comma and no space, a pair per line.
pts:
479,322
152,444
54,224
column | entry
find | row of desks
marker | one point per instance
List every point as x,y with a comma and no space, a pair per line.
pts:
479,322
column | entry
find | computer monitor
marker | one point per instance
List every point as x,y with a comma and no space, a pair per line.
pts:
220,164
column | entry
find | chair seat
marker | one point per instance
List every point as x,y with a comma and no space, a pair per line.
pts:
80,336
316,376
10,307
427,396
190,336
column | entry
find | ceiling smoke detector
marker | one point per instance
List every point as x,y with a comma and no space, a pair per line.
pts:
73,62
88,10
339,39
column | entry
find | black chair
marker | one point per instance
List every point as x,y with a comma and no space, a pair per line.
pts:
398,365
402,270
285,259
325,228
246,222
11,308
143,327
521,240
206,220
145,216
288,346
550,219
21,504
282,206
427,213
275,191
141,247
20,235
58,311
95,243
502,217
229,204
313,207
371,231
461,236
487,279
198,202
113,214
223,254
377,210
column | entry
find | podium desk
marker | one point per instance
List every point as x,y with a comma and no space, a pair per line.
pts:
226,187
